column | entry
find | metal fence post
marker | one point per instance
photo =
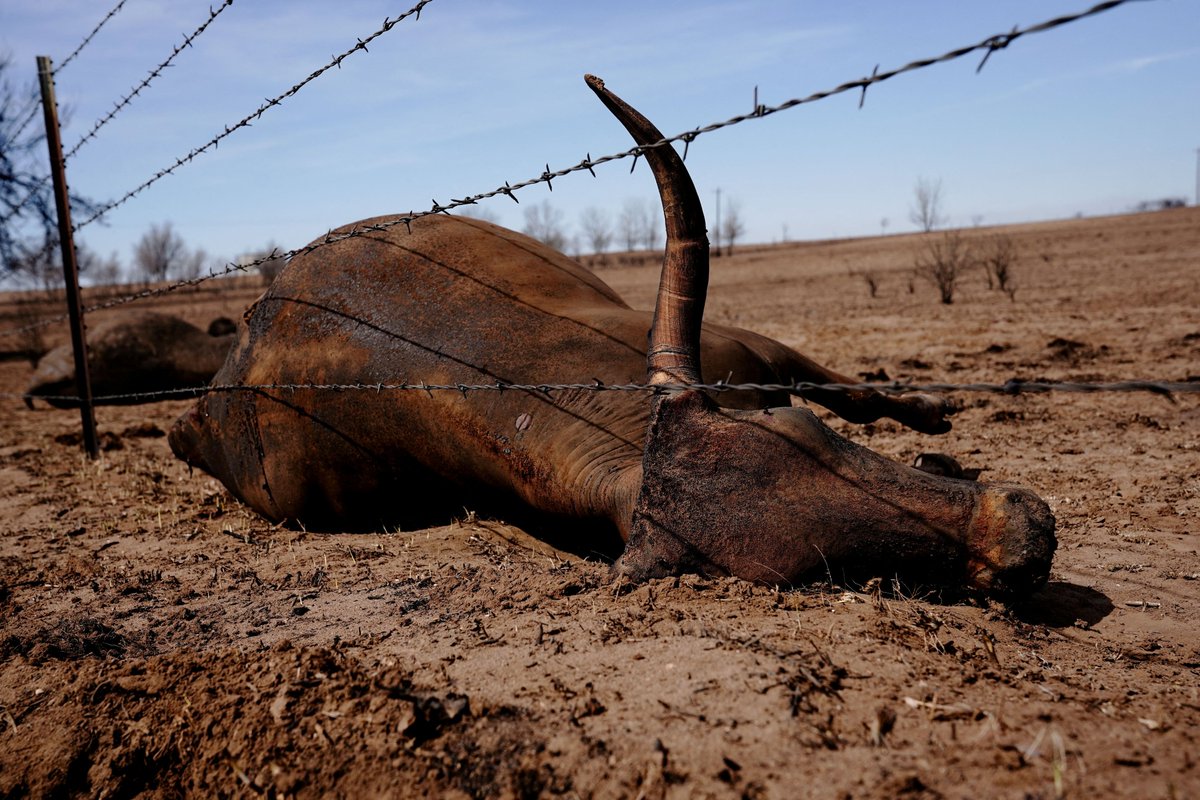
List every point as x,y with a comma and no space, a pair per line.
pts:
62,202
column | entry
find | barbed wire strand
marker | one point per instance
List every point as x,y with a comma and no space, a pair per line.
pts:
1012,387
989,44
361,44
154,73
88,39
38,102
29,116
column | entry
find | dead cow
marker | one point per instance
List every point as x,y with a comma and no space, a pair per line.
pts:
134,354
727,484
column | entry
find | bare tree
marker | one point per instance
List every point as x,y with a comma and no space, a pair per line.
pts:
628,223
926,211
640,224
108,271
270,261
732,226
193,264
38,263
870,278
653,227
597,229
28,221
998,259
943,262
544,222
161,253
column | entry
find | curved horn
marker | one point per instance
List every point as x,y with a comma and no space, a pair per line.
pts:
674,354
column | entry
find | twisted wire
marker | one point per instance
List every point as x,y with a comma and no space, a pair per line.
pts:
37,103
154,73
87,39
361,44
1011,388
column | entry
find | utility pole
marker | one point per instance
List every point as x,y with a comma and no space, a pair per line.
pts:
717,228
1198,176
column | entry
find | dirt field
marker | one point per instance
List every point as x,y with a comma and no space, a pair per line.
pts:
157,639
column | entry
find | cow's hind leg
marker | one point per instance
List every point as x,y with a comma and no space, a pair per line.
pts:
922,412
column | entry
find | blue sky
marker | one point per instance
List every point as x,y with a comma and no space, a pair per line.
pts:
1092,117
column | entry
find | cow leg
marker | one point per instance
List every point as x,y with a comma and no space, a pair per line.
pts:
917,410
741,356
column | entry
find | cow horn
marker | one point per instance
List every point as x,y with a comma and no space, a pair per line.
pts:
674,354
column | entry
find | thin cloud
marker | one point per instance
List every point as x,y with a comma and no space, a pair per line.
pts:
1131,65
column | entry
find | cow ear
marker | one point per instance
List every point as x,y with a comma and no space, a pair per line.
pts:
661,540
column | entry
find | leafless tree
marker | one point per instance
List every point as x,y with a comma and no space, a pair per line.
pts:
596,228
270,261
38,263
652,227
544,222
732,226
158,251
639,225
870,278
629,223
926,211
942,262
27,215
999,256
161,253
102,271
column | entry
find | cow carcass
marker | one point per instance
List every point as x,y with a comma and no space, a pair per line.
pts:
133,356
733,483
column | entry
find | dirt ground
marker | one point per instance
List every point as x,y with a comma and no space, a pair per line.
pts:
157,639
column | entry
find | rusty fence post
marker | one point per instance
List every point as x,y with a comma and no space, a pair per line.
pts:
62,203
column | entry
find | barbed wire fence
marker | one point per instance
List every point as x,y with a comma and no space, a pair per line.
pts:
211,144
118,107
987,46
32,113
121,104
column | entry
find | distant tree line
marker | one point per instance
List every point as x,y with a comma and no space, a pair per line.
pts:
638,226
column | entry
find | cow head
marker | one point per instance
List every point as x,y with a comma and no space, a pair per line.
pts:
774,494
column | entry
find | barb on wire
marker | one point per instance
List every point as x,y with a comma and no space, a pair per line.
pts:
154,73
32,113
29,116
991,43
361,44
87,39
1011,387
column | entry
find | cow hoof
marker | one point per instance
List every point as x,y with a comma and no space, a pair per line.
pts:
924,413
